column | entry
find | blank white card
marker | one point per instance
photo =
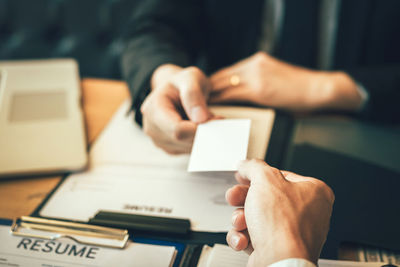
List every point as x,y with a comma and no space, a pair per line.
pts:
219,145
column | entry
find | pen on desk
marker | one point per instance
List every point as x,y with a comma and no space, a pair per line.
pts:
141,222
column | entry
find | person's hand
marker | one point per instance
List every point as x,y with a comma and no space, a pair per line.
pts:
264,80
175,106
285,215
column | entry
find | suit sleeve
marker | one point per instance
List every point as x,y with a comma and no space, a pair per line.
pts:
159,32
383,86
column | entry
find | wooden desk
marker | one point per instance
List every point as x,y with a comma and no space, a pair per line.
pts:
100,99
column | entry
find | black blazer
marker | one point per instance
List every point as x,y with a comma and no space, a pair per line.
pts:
216,33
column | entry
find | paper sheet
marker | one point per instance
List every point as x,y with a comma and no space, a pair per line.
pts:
34,252
147,191
224,256
220,145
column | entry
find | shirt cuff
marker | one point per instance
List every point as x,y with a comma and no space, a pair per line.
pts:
294,262
364,96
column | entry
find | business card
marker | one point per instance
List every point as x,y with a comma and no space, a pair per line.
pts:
219,145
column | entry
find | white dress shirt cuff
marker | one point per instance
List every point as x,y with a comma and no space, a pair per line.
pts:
294,262
363,94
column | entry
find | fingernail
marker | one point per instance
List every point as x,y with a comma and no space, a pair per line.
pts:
235,240
234,218
198,114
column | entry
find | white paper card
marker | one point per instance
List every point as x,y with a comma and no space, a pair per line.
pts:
219,145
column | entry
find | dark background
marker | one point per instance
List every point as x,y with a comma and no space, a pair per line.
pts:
88,30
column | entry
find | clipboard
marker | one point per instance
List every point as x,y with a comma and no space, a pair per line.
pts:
85,234
82,234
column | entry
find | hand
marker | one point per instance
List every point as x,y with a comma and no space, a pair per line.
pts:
175,106
285,215
264,80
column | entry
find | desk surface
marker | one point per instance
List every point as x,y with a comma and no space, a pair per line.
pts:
100,99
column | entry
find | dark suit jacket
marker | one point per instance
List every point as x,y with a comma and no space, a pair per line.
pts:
213,34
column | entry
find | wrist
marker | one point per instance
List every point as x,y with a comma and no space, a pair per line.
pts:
280,250
163,73
334,90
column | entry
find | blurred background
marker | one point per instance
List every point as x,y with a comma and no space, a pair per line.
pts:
89,31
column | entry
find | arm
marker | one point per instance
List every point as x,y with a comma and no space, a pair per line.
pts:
161,32
267,81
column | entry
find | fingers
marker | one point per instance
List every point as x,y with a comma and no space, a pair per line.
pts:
236,195
179,141
232,94
165,125
222,78
238,220
238,240
193,92
241,180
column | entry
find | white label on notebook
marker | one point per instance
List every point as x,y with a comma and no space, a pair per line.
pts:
219,145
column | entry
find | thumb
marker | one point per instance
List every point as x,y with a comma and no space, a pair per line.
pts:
194,103
193,88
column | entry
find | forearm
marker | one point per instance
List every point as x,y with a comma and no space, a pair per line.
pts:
333,90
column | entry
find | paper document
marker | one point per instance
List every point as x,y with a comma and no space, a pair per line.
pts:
224,256
220,145
34,252
129,174
147,191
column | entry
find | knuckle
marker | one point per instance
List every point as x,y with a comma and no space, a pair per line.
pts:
178,133
145,105
261,58
192,70
172,152
275,171
256,161
324,189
